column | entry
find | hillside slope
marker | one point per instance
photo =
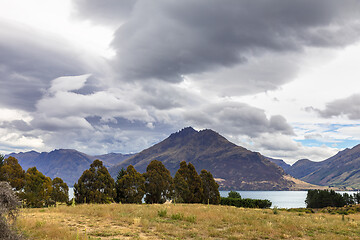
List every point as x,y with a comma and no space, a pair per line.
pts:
67,164
235,167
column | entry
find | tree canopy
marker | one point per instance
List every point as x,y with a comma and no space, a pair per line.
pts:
95,185
60,190
130,187
12,172
158,183
37,190
210,188
188,185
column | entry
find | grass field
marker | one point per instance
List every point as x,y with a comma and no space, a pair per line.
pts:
180,221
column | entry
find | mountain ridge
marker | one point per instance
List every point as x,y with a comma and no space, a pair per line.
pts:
239,168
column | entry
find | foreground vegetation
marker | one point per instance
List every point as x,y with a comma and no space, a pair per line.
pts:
182,221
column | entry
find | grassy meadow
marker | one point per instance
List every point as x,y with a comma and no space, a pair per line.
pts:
182,221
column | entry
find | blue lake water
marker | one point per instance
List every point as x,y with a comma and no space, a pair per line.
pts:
280,199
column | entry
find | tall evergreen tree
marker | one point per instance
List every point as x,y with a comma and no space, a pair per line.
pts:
119,188
2,157
12,172
60,192
211,188
131,186
95,185
158,183
37,190
188,185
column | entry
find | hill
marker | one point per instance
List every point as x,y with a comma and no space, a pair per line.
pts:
67,164
233,166
340,170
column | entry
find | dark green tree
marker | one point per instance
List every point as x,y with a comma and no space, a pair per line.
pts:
2,157
131,186
158,183
37,190
118,188
182,190
188,185
60,190
95,185
324,198
233,194
210,188
12,172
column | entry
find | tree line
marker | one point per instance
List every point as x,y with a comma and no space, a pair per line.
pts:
325,198
156,185
96,185
32,187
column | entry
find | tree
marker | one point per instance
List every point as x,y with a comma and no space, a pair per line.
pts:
95,185
60,190
324,198
118,188
37,190
188,185
210,188
233,194
158,183
12,172
131,186
2,157
8,212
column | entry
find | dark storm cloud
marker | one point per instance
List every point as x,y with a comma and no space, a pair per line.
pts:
105,11
28,61
349,107
169,39
19,125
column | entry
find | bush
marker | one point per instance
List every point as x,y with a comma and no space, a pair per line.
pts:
162,213
233,194
246,203
8,212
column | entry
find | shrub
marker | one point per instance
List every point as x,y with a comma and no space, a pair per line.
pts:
162,213
8,212
246,203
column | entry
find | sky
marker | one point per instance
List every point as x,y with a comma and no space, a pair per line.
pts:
275,76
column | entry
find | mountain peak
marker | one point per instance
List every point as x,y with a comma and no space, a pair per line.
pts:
238,167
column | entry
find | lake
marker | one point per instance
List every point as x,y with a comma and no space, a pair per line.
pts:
280,199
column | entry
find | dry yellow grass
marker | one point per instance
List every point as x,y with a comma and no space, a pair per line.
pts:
182,221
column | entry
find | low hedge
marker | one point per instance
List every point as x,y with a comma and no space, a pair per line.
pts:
245,203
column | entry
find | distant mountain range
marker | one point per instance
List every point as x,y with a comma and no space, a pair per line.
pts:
67,164
340,170
233,166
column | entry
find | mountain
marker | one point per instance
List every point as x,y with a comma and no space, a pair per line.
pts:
112,159
303,168
280,163
340,170
233,166
67,164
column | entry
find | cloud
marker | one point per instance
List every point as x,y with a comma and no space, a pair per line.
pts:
235,118
111,12
349,107
283,147
28,61
169,39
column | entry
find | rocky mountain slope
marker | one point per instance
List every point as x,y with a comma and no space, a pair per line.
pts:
67,164
233,166
340,170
